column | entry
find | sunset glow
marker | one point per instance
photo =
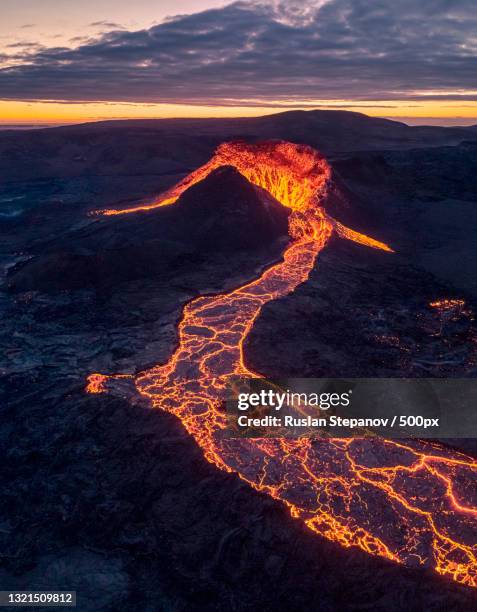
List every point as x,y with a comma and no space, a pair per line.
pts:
20,112
207,58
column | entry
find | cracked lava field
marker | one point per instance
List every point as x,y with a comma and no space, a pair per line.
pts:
412,502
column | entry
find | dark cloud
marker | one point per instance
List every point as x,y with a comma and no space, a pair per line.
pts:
112,25
23,44
358,49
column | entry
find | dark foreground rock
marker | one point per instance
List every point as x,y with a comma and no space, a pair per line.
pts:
116,501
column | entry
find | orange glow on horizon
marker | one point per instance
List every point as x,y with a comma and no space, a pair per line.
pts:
38,112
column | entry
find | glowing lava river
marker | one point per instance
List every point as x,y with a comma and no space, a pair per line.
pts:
412,502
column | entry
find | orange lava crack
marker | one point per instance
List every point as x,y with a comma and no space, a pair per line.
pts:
412,502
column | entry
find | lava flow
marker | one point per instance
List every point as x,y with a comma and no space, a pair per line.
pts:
412,502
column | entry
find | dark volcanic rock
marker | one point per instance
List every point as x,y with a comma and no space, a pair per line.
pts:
421,202
226,212
223,213
364,313
118,502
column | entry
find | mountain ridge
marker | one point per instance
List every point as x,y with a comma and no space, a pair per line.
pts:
174,147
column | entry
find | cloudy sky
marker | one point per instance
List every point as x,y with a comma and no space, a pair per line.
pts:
64,60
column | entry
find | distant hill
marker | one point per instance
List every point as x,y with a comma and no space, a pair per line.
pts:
175,146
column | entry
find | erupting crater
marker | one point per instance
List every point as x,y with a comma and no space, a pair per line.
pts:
412,502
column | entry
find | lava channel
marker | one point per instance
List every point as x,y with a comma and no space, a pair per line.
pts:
412,502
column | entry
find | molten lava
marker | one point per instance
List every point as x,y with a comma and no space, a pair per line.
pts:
293,175
412,502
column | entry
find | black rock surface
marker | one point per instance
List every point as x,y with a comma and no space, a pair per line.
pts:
221,214
225,212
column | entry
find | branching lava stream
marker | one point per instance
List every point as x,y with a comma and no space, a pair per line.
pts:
412,502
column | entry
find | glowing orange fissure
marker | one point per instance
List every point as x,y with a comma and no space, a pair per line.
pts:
411,501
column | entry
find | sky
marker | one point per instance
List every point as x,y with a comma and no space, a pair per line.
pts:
64,61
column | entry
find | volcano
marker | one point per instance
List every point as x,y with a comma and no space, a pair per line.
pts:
225,212
220,214
355,276
334,486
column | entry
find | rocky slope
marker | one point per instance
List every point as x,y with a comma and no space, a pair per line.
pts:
222,214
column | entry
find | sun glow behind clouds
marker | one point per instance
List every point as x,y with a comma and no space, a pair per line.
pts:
243,58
